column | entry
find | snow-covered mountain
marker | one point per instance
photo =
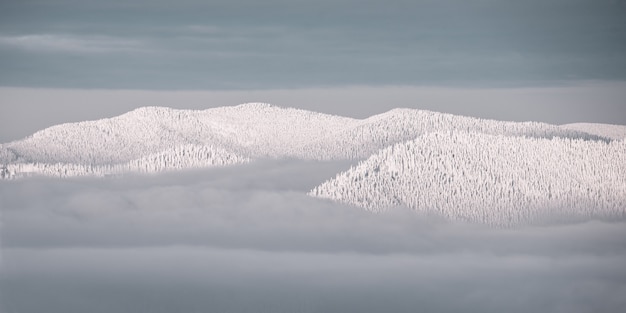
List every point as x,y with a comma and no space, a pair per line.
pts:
367,136
494,172
493,179
236,134
178,158
615,132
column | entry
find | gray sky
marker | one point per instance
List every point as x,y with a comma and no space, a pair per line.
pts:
249,44
488,58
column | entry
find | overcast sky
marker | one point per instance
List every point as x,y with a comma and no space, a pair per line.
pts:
249,44
250,47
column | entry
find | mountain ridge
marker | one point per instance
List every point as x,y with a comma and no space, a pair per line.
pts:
612,131
248,131
491,179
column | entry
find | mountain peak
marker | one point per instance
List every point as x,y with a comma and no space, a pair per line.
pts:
150,110
492,179
251,130
255,106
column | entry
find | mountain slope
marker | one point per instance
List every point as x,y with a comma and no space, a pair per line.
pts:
497,180
615,132
251,129
248,131
179,158
398,125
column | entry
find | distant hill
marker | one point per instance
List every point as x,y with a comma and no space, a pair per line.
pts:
153,139
492,179
615,132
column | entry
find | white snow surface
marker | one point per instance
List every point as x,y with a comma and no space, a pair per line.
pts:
493,179
234,134
611,131
178,158
240,133
462,168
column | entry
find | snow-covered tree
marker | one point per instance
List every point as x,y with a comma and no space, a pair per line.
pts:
249,131
497,180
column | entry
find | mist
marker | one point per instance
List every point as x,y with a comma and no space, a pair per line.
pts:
248,239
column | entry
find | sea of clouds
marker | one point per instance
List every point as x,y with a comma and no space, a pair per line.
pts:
248,239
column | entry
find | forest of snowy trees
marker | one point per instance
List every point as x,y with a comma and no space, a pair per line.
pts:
492,179
463,168
252,131
179,158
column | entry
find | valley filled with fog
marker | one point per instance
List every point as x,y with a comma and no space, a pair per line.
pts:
249,239
258,208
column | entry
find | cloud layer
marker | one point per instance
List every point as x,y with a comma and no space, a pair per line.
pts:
69,44
246,239
288,44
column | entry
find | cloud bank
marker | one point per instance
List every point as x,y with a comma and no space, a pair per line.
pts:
69,44
295,44
247,238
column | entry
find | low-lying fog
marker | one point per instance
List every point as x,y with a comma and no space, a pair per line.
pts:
249,239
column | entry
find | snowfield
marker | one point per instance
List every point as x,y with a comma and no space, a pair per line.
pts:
496,180
236,134
462,168
178,158
615,132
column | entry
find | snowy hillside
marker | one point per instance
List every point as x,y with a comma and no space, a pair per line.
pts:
179,158
250,129
244,132
497,180
615,132
398,125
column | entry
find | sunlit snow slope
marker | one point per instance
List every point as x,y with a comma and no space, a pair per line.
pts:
491,179
153,139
